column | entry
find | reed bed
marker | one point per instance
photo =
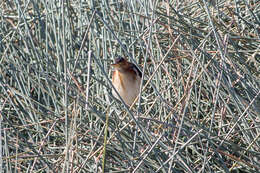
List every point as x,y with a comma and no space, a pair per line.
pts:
199,106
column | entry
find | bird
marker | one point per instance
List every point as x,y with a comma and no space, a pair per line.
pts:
126,79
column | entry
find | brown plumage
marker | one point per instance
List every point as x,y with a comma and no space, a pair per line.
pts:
126,79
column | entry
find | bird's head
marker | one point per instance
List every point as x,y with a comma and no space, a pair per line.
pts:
121,64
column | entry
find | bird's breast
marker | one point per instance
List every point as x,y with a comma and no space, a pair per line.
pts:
127,85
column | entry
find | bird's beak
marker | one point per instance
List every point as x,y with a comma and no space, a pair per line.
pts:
115,65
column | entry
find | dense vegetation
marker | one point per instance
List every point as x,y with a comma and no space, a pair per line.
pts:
199,109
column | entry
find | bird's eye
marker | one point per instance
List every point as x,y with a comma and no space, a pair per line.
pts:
118,60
